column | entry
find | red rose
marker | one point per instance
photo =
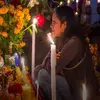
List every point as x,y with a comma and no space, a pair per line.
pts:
40,20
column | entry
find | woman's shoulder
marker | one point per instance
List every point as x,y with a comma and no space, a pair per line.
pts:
73,40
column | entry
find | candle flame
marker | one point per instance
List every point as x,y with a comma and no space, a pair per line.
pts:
77,1
84,91
98,1
50,38
68,1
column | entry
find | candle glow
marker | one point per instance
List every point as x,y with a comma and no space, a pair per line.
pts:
77,1
88,2
98,1
68,2
50,38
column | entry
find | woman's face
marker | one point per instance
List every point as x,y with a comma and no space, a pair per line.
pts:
57,28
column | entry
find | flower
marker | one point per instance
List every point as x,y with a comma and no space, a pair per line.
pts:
40,20
14,19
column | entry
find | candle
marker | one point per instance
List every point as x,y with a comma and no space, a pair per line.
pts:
77,4
84,91
53,65
16,59
98,1
33,47
26,92
24,74
68,2
87,2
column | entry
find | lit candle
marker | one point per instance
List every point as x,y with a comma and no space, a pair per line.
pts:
16,59
68,2
53,65
77,4
33,47
98,1
88,3
84,91
24,72
27,92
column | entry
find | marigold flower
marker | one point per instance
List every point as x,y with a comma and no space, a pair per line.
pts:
19,24
22,44
19,7
3,10
11,8
26,11
4,34
28,17
16,30
1,20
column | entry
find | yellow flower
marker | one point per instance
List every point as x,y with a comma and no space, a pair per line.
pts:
3,10
4,34
16,30
1,20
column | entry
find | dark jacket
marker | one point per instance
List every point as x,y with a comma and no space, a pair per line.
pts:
72,51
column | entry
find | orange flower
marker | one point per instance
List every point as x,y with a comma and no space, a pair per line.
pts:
11,8
4,34
28,17
26,11
22,44
19,7
1,21
16,30
3,10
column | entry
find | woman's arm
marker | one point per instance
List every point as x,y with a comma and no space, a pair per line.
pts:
68,53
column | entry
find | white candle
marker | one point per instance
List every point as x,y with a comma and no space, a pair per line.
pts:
33,48
77,4
84,91
53,69
23,70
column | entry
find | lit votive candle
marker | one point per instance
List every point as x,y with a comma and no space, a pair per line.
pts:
26,92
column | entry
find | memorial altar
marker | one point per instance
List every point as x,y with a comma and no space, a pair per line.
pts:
15,80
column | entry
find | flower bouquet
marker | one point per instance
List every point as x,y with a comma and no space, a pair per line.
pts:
14,21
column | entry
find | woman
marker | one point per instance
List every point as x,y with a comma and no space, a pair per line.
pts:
74,61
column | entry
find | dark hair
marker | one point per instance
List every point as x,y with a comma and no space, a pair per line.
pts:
66,13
